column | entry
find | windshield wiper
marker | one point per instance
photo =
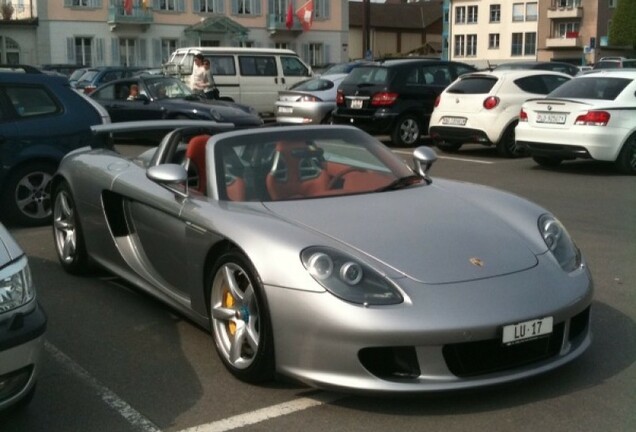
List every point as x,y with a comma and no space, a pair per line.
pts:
401,183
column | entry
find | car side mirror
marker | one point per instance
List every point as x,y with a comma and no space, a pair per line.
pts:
424,158
168,176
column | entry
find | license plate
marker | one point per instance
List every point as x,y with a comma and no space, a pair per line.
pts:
285,110
527,330
551,118
356,103
454,121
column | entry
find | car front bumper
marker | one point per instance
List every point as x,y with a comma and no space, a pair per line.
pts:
21,344
433,341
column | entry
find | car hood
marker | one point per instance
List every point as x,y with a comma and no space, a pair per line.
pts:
429,235
9,249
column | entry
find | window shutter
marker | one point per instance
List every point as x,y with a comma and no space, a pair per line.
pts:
235,7
326,12
70,50
257,7
156,5
305,54
327,55
219,6
156,52
99,51
196,6
68,3
180,5
143,52
114,51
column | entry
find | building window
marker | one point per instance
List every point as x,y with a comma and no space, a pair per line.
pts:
282,45
493,41
83,53
316,54
459,46
460,15
571,3
211,6
127,49
247,44
517,12
168,46
471,45
247,7
567,29
531,12
321,9
472,15
9,51
530,44
495,13
168,5
517,44
612,3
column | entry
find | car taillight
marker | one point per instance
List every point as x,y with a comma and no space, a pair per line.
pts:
491,102
383,99
308,98
89,89
437,99
523,116
340,100
593,118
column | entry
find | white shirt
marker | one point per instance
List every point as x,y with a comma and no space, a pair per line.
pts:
197,79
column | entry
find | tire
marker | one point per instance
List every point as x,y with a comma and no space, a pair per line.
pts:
448,147
239,319
507,147
626,161
407,131
27,195
547,162
67,232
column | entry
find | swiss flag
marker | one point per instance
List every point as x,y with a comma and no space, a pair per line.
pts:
306,14
289,19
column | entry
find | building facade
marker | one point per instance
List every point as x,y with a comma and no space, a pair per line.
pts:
145,32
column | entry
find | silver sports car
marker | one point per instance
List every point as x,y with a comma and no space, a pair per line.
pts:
317,254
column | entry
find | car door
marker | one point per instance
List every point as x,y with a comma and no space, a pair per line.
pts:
259,81
114,97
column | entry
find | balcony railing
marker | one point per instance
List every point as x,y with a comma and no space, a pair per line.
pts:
277,22
570,12
570,41
137,14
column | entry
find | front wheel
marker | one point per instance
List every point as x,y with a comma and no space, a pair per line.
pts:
27,199
407,131
240,320
626,162
67,232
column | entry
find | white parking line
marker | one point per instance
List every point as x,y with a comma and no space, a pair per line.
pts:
265,414
133,417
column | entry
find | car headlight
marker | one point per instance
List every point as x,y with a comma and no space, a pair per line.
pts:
348,278
16,285
559,243
216,115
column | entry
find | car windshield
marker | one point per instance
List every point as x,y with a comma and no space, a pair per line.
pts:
473,85
375,75
77,74
591,87
306,165
167,88
316,84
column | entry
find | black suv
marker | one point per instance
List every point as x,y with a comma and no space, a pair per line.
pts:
41,119
395,97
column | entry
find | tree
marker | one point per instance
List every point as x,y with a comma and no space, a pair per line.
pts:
622,31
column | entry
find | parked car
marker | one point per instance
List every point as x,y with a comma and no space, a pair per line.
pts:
345,68
615,63
589,117
42,120
162,97
556,66
22,325
395,97
275,250
96,76
76,75
310,101
483,107
61,68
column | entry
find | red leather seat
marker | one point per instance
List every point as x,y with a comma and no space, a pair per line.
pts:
195,154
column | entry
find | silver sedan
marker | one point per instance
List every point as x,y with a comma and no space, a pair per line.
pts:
310,101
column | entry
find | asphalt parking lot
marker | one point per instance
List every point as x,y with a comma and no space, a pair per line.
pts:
118,360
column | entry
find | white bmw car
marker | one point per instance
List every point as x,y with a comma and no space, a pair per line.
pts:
593,116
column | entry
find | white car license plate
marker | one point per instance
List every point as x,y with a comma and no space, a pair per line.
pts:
551,118
527,330
454,121
356,103
285,110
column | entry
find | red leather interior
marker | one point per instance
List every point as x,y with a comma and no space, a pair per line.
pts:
292,186
195,153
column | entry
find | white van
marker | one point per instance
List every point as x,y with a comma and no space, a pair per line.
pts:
252,76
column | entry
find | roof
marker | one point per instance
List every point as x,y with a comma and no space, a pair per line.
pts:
403,16
218,24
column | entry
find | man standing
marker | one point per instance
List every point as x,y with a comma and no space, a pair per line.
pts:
198,77
210,89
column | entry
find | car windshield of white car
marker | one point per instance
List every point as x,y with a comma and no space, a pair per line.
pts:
298,165
591,87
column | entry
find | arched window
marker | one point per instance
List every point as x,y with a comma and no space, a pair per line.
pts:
9,51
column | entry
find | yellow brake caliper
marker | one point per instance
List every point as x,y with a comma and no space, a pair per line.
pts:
228,302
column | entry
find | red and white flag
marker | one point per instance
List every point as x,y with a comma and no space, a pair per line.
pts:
128,7
289,19
306,14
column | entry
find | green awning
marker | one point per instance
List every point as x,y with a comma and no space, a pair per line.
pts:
219,25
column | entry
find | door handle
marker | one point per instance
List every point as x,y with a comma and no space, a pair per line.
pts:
276,80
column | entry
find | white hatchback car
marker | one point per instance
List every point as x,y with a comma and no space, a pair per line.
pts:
483,107
591,117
